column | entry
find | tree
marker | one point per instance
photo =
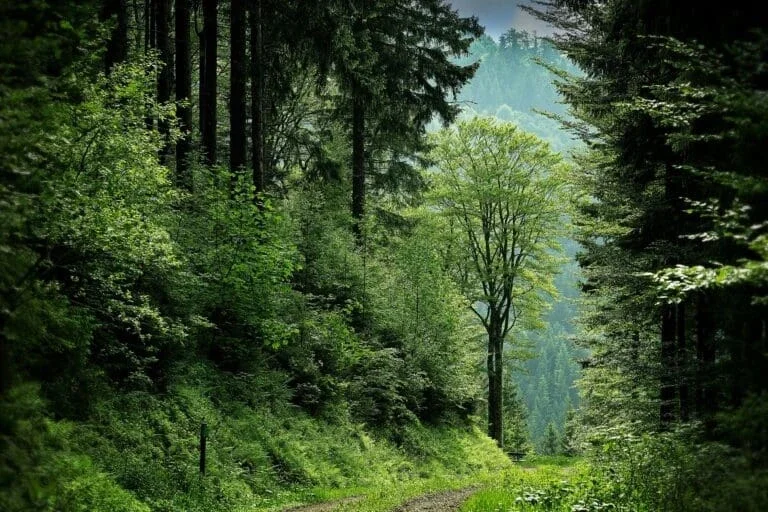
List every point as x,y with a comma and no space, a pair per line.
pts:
117,45
165,77
183,93
516,434
568,444
208,82
237,78
551,444
501,190
257,93
395,69
663,139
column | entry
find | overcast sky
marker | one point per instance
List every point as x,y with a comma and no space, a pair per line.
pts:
499,15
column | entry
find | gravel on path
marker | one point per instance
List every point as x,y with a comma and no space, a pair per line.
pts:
329,506
446,501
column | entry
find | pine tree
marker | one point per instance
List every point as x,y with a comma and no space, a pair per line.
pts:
398,72
257,71
551,443
183,93
237,92
658,148
208,82
165,76
117,45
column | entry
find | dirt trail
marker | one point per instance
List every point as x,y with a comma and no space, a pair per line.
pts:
329,506
446,501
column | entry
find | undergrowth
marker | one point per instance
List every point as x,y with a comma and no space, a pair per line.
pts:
139,452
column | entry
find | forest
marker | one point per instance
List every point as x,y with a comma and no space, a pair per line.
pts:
359,255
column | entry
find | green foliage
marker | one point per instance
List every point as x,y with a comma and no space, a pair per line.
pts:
551,444
675,472
103,217
498,191
42,467
501,191
517,438
258,455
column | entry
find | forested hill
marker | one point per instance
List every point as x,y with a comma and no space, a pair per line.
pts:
513,83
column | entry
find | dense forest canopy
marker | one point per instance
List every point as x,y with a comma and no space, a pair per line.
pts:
242,268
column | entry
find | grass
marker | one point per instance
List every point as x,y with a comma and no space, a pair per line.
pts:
540,483
499,488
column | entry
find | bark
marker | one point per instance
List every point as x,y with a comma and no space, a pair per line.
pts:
257,97
667,406
149,44
165,76
358,162
117,46
237,99
705,360
148,25
682,364
183,93
495,381
208,86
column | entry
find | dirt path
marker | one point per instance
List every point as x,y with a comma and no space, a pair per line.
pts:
446,501
329,506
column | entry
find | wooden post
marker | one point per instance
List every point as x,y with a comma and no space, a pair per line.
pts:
203,438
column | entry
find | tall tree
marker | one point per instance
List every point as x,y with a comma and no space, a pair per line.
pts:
398,71
183,93
257,94
117,45
165,76
208,83
237,92
503,190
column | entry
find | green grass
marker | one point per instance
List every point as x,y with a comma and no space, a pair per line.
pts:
541,483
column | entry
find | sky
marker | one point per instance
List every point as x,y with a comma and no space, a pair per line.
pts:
499,15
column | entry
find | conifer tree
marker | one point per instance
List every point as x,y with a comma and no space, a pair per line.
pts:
208,82
398,70
183,93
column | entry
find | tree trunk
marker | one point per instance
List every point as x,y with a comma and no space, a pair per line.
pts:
667,378
495,365
148,26
164,78
682,364
358,161
149,44
208,86
117,46
257,97
705,360
237,99
183,93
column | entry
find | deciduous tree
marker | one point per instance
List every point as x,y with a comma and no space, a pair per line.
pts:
502,192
